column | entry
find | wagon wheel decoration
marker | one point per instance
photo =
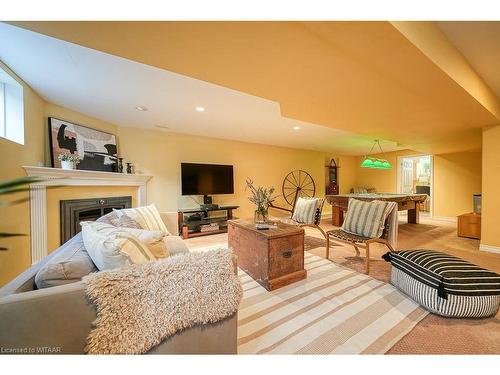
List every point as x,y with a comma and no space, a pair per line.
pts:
296,184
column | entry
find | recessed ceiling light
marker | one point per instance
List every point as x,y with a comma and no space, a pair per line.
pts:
296,128
200,109
162,126
141,108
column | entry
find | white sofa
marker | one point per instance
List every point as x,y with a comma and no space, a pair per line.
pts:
60,317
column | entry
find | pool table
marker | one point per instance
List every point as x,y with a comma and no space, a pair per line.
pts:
409,202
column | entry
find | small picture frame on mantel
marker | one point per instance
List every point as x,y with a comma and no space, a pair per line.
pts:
96,149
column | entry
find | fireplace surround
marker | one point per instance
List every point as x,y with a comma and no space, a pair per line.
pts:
61,177
74,211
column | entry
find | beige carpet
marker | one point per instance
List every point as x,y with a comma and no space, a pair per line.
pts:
334,311
434,334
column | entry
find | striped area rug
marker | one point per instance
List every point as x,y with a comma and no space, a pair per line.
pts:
334,311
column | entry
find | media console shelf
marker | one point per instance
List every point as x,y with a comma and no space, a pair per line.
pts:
193,220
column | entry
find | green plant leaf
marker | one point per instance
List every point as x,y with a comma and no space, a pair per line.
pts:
12,190
20,181
11,203
6,235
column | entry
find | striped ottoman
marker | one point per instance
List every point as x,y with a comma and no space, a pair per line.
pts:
444,284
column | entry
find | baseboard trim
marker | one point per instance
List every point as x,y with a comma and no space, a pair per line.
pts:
450,219
489,248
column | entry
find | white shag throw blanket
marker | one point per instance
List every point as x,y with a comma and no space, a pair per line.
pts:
141,305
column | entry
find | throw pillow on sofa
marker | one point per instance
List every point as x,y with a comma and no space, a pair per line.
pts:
69,266
111,247
153,239
174,244
123,221
147,217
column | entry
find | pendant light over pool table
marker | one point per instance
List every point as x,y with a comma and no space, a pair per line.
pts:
375,163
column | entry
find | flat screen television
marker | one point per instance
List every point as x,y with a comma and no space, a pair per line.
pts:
205,179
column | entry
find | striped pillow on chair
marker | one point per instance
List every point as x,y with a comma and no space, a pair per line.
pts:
365,219
305,210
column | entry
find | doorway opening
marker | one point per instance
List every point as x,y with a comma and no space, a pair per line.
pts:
415,176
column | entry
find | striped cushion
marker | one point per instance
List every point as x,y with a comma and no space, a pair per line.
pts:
147,217
305,210
111,247
366,219
445,284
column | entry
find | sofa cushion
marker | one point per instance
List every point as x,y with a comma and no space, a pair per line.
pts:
175,245
69,266
108,218
147,217
123,221
153,239
111,247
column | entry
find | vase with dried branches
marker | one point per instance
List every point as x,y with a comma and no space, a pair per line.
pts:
261,197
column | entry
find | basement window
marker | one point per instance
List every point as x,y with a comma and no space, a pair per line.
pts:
11,108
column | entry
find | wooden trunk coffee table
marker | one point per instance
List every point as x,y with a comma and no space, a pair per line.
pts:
273,257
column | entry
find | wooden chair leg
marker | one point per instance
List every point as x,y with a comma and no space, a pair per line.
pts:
367,258
314,226
391,249
321,230
357,250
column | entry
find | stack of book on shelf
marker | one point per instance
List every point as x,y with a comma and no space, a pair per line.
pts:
209,227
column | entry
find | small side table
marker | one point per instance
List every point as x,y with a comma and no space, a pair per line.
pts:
469,225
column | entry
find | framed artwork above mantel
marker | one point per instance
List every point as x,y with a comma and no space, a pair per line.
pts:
96,149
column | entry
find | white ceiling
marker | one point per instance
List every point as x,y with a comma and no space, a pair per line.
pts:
479,42
109,88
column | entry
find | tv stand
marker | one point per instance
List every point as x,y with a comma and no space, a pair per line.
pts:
194,221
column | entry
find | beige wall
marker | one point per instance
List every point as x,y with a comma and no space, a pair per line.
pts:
491,187
12,157
457,177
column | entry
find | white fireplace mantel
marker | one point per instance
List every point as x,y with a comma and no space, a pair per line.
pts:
62,177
